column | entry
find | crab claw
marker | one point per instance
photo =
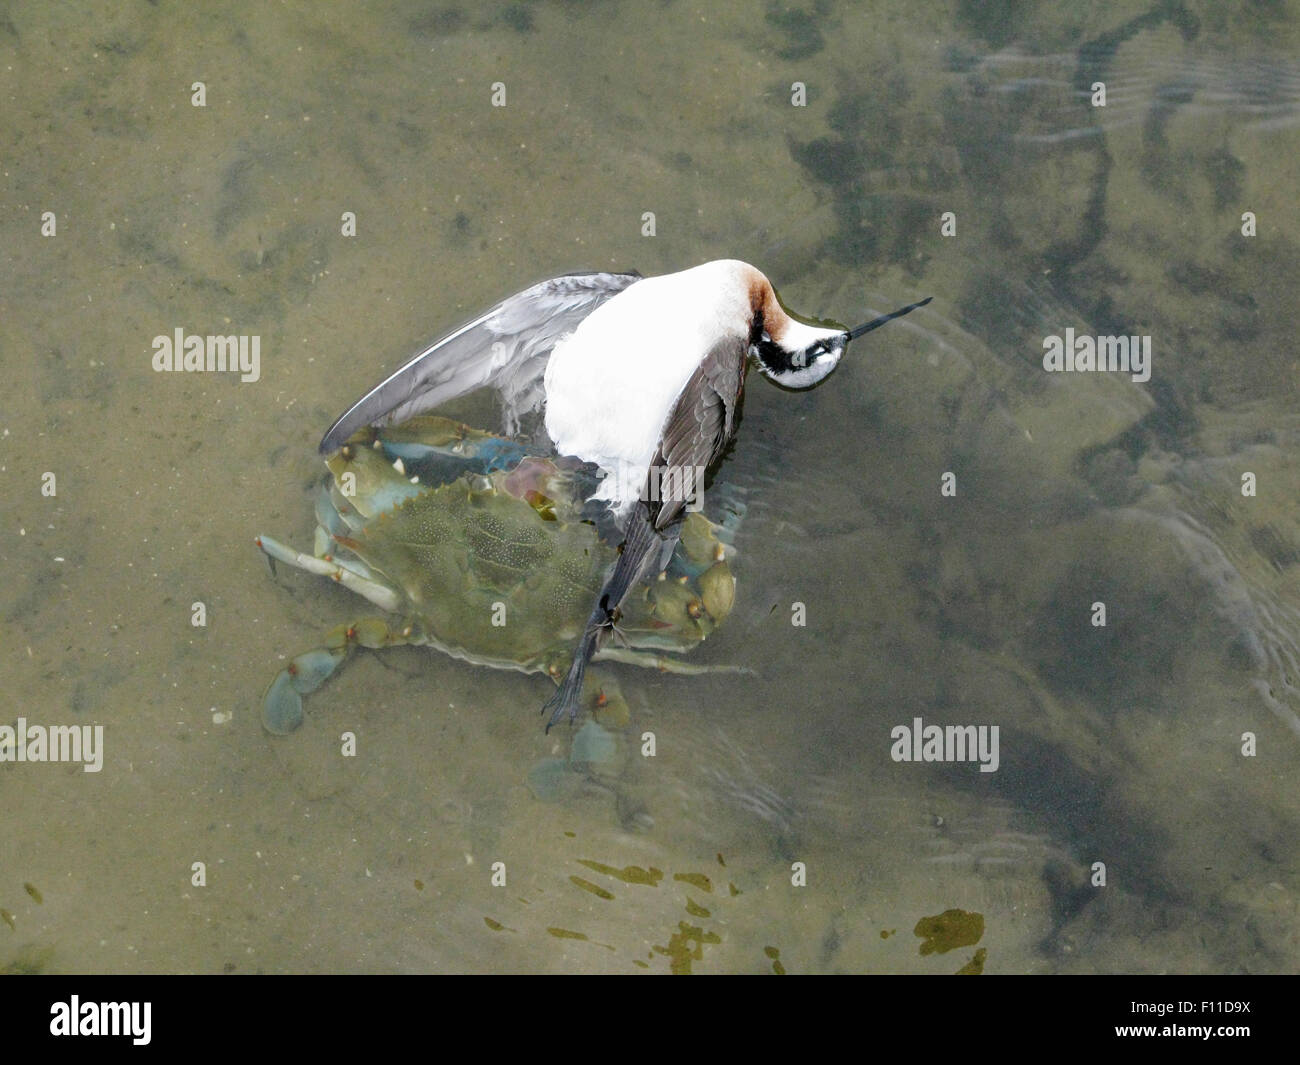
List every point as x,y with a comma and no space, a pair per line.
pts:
282,703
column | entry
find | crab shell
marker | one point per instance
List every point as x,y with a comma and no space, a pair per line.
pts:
482,552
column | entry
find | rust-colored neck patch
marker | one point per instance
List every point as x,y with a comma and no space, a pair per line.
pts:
763,304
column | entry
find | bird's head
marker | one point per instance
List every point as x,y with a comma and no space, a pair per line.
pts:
798,353
802,355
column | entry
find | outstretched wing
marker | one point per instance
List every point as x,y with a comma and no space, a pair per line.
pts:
505,348
701,424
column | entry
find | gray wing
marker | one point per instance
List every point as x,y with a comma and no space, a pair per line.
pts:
505,348
703,420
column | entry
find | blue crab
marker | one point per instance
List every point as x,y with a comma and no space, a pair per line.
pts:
480,550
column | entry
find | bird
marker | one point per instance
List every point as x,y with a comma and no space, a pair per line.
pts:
642,377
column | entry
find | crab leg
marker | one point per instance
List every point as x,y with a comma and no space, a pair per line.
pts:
381,595
282,703
650,660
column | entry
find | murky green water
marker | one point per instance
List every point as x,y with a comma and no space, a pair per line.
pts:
1120,744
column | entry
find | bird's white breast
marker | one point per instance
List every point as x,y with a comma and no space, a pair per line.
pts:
611,384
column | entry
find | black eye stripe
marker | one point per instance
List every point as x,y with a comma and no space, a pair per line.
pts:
778,360
775,357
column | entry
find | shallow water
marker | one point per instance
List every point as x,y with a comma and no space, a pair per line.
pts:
1119,744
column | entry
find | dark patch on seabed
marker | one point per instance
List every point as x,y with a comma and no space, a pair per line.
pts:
799,33
884,196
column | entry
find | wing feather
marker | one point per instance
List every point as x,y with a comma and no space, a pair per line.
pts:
702,421
505,348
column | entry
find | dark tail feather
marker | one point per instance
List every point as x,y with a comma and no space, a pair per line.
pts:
641,544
